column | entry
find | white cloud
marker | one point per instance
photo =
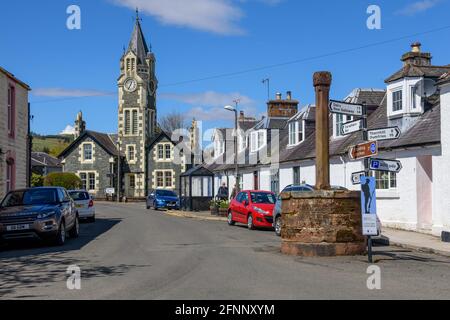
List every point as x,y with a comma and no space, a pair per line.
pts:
209,105
217,16
61,92
418,7
209,98
68,130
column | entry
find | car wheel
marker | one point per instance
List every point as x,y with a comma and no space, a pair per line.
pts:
154,206
75,231
61,236
278,226
92,220
230,219
250,224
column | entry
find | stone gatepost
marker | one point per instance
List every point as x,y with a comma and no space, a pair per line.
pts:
323,222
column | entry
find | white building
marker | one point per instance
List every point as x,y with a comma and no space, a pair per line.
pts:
416,198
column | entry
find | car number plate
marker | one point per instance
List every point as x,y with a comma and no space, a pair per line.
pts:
79,206
18,227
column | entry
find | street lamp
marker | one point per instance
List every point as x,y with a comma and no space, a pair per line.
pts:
234,109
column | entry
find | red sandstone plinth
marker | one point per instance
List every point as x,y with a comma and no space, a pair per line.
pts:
322,223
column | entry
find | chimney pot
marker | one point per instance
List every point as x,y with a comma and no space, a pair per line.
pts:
289,95
416,47
278,96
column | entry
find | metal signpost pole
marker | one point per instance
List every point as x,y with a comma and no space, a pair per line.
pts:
367,173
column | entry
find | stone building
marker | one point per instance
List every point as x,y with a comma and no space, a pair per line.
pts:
133,153
15,143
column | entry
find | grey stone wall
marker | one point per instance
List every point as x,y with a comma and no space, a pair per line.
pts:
100,165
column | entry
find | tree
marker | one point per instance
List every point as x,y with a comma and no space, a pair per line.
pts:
37,180
173,121
66,180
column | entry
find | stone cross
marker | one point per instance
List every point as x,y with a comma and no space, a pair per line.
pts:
322,83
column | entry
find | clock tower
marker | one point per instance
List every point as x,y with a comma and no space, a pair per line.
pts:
137,86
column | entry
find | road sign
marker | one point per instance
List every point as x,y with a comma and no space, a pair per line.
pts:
350,109
110,191
363,150
385,165
350,127
356,177
369,206
384,134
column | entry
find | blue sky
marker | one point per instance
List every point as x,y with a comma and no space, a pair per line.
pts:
72,70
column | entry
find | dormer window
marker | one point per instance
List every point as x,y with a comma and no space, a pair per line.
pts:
397,100
258,140
296,132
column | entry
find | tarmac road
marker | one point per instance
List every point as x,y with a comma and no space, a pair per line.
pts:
133,253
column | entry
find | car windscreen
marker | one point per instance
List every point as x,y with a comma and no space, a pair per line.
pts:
30,197
165,193
79,195
263,198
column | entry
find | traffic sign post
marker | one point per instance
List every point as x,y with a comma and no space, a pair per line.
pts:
363,150
392,133
385,165
346,108
351,127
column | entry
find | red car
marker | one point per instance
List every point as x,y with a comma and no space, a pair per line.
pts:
254,208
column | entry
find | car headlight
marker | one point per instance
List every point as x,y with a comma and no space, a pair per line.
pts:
261,211
46,214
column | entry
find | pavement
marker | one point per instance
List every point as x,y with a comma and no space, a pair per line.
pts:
417,241
134,253
399,238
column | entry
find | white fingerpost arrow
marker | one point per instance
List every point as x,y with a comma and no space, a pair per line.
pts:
346,108
351,127
384,134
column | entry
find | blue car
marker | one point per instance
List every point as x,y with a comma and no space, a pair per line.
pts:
163,199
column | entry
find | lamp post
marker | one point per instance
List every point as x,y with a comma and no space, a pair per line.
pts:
234,109
118,167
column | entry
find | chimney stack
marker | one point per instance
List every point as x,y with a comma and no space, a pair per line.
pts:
416,57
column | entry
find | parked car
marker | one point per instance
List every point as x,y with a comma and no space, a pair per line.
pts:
253,208
47,213
84,203
163,199
277,218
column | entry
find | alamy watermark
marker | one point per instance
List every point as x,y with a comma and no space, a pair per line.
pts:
74,280
374,20
74,20
374,279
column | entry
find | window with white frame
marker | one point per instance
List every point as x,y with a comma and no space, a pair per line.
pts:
131,153
164,179
242,141
92,184
164,152
87,152
385,180
258,140
88,181
339,120
295,132
83,177
397,100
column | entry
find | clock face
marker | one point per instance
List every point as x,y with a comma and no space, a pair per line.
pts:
130,85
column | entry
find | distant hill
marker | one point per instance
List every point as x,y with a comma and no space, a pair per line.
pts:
52,144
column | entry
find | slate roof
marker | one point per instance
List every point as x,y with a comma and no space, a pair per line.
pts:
419,71
444,78
44,159
13,77
138,44
102,139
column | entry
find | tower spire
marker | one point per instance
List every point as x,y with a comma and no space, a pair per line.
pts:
137,42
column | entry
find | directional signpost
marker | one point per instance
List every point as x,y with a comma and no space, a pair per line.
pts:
351,127
385,165
349,109
366,151
363,150
392,133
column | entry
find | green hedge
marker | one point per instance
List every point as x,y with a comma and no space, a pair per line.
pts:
69,181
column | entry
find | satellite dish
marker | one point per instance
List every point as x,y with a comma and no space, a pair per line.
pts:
425,88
